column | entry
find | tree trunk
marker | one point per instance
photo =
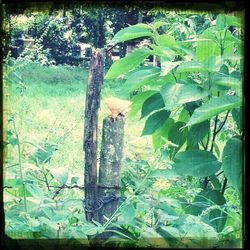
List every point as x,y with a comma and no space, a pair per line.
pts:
110,165
95,80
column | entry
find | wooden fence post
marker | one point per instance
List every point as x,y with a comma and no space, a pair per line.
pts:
110,165
95,81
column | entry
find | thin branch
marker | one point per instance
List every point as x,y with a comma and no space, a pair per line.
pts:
206,180
202,144
174,76
224,186
208,137
46,179
214,133
107,50
223,123
220,173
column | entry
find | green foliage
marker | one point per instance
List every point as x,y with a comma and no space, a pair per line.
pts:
160,136
127,63
33,73
155,121
176,94
44,153
214,107
198,131
154,102
199,163
143,76
216,217
190,104
191,66
191,91
237,115
232,162
132,32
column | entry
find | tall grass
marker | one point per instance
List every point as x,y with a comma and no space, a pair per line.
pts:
51,108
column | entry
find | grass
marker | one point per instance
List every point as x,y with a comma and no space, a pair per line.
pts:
51,108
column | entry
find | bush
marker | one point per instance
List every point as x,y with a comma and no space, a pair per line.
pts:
35,73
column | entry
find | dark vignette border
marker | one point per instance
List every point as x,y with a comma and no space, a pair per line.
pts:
11,6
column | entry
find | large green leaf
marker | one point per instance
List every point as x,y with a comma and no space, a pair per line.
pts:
230,82
198,234
167,66
216,217
138,101
128,212
160,136
163,51
166,40
237,115
221,21
184,116
213,63
224,21
153,103
157,24
232,162
177,94
191,66
206,49
146,76
214,107
132,32
127,63
155,121
198,163
176,135
198,131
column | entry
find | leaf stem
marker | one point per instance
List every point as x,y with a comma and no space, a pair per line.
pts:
223,123
214,133
220,173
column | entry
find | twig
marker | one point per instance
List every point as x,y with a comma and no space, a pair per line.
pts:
208,138
107,50
220,173
206,180
202,144
223,123
214,133
224,186
174,76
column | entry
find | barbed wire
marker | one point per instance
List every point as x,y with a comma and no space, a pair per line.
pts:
101,202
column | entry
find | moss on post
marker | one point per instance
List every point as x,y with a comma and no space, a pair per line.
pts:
95,81
110,165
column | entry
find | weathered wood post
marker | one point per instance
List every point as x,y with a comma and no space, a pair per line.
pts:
110,165
95,81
